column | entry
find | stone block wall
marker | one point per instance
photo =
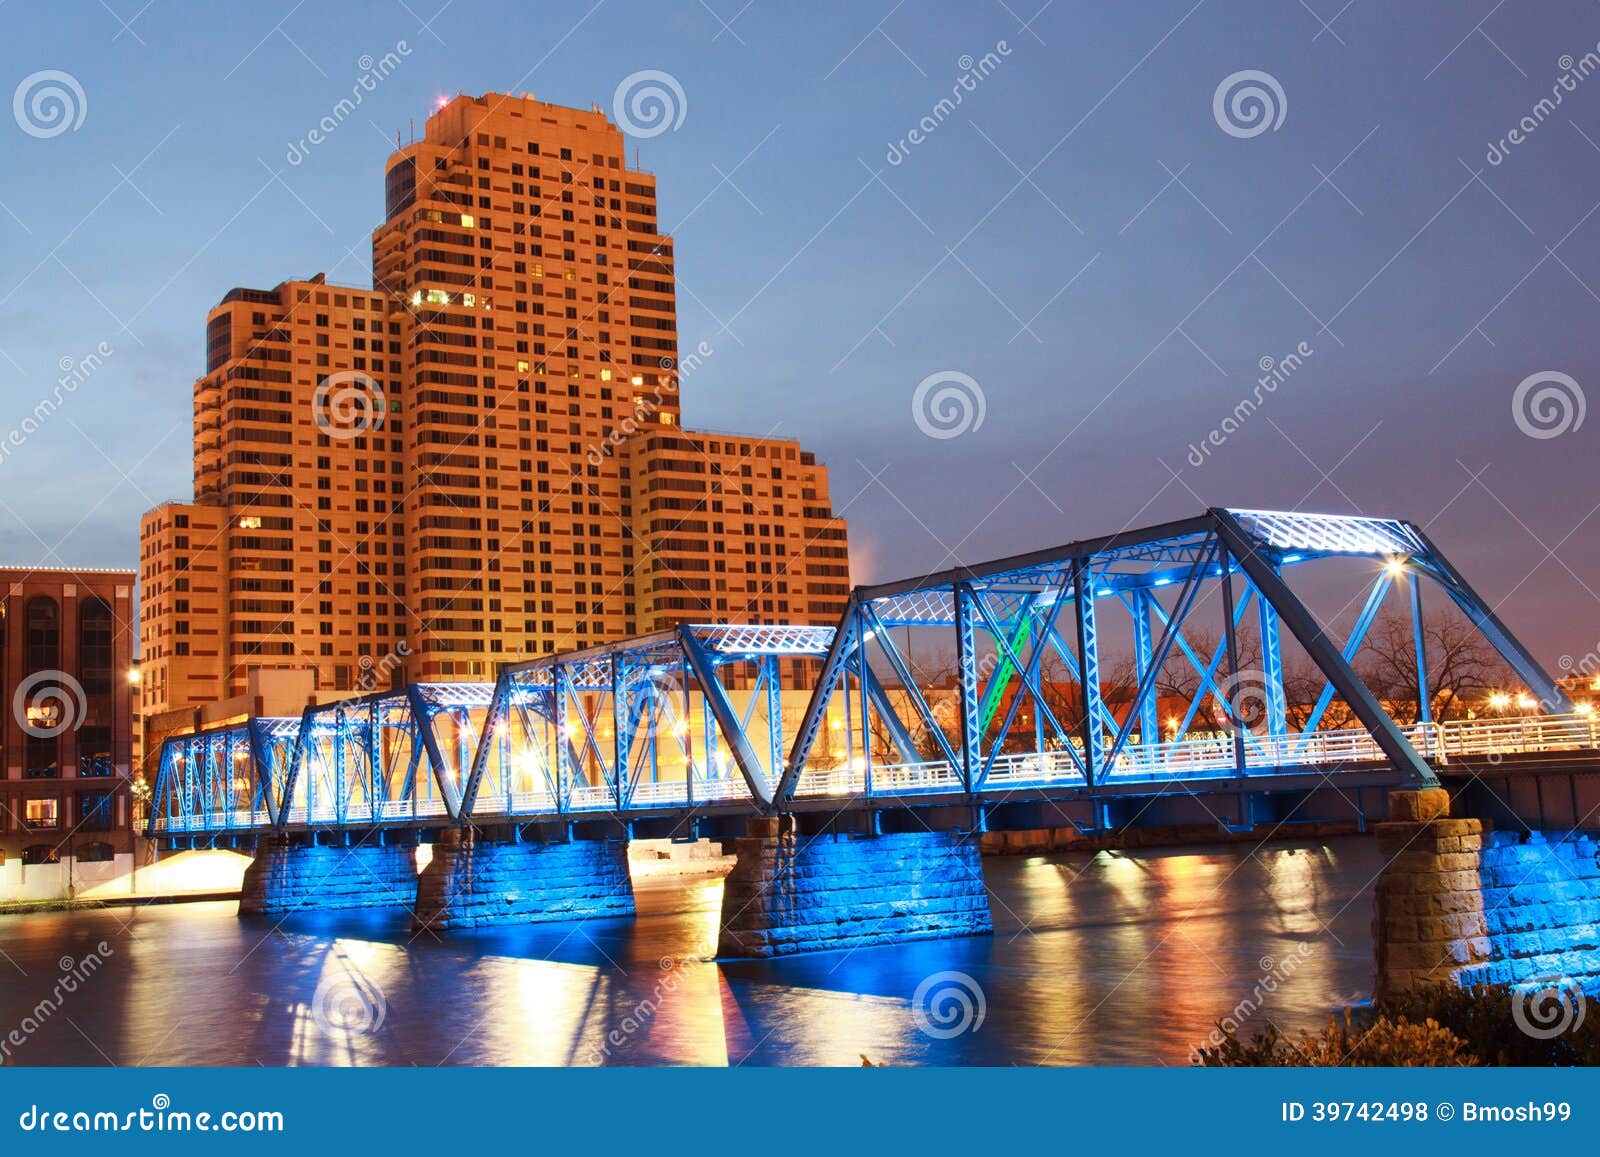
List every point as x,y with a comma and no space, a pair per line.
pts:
1428,917
788,894
1541,904
1456,904
286,877
470,884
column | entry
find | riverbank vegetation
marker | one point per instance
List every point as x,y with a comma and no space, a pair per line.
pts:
1443,1026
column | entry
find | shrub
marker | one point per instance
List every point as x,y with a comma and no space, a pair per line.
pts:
1435,1026
1485,1017
1377,1041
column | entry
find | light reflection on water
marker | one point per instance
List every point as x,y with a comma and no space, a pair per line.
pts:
1112,958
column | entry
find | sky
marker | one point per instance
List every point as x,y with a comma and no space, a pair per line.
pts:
1037,313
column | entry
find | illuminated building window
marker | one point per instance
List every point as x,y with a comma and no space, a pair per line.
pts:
40,813
467,221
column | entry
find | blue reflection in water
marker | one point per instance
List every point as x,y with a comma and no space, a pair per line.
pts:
1112,958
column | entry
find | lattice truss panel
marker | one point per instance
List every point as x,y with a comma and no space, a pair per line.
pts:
1013,694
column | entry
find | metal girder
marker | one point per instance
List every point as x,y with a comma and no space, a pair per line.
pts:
1088,671
967,682
480,758
1155,658
744,754
1358,634
354,749
423,713
1303,624
908,684
1478,612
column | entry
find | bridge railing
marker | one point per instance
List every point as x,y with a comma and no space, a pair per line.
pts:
1214,756
386,810
214,821
1188,758
1532,733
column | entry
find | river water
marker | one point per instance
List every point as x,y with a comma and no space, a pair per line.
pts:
1111,958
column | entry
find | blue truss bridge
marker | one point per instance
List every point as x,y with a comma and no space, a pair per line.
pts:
1174,673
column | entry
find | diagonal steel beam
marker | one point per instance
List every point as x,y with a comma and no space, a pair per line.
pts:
1482,616
716,699
1304,626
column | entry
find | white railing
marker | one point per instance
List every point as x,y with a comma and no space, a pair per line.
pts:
1188,758
214,821
1518,736
1214,756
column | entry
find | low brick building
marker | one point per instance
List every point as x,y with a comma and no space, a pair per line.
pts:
66,732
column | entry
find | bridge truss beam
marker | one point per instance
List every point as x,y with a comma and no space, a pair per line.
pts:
1021,699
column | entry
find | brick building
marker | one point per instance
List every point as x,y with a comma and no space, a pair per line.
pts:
67,673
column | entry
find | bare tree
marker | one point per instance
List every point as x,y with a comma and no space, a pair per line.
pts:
1180,680
1462,665
1303,683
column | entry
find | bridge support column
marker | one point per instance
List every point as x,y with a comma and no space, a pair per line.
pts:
790,893
287,876
471,882
1427,909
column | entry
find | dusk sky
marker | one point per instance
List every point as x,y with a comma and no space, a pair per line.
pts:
1100,249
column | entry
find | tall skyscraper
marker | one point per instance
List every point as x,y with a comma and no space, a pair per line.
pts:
479,459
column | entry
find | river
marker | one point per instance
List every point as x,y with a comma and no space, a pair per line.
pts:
1112,958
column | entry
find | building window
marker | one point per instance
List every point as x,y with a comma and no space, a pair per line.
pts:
43,753
40,813
40,854
99,852
96,811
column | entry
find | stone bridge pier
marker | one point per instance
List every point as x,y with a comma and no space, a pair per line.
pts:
845,885
1461,903
501,876
295,874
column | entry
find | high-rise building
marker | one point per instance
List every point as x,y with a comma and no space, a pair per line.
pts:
479,459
